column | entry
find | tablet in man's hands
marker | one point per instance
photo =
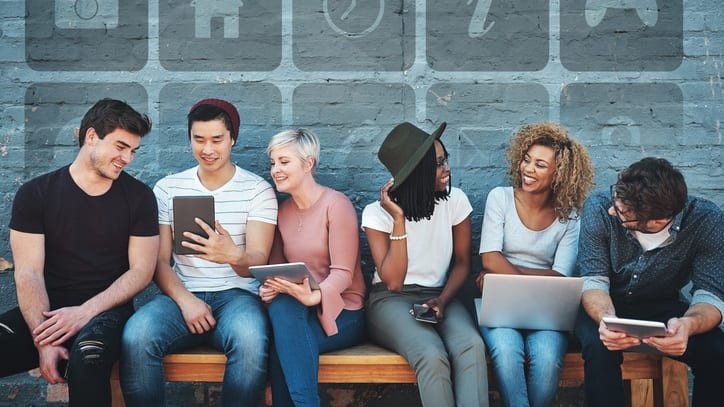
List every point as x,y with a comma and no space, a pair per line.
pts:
635,327
185,209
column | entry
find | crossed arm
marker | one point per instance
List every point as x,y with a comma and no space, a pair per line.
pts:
50,329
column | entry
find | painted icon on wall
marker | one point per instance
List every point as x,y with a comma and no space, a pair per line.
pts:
485,117
621,35
207,10
259,105
53,112
487,35
220,35
86,35
353,35
86,14
348,15
637,116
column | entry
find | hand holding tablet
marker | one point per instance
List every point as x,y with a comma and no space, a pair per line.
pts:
637,328
294,272
185,210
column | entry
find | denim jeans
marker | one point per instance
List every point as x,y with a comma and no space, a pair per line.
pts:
298,341
158,328
544,350
93,351
602,370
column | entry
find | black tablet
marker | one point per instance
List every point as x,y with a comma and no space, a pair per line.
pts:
294,272
185,209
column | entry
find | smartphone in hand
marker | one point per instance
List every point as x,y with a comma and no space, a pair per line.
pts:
424,313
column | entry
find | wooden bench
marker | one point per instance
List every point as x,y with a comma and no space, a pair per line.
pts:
652,380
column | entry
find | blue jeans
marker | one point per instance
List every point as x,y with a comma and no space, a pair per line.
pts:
602,369
509,349
158,328
298,341
92,353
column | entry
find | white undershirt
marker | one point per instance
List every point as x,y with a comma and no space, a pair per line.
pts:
650,241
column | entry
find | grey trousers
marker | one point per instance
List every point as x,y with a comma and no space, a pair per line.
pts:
448,358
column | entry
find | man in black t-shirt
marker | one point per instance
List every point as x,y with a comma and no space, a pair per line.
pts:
84,241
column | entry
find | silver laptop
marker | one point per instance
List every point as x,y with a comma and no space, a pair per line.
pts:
529,302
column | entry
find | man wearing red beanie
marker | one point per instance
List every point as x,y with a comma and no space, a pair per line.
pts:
208,297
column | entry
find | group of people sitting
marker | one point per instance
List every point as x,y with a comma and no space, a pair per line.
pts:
88,237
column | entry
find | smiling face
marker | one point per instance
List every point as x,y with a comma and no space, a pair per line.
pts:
111,154
288,170
538,169
442,175
211,145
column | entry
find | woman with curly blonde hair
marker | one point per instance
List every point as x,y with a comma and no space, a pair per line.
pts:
531,228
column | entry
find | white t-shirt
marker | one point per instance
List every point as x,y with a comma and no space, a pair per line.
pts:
554,247
429,242
245,197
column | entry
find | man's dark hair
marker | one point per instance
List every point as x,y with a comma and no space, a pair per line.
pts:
417,196
652,188
107,115
207,113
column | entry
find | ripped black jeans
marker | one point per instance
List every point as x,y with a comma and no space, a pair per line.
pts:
92,353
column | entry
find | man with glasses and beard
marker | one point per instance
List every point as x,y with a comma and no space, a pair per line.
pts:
639,245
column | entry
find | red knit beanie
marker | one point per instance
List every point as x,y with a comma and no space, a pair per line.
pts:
228,108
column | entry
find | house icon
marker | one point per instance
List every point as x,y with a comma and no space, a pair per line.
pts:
205,10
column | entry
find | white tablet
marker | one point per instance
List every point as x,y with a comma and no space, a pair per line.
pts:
635,327
294,272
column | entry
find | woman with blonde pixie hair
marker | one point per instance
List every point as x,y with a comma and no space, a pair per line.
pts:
317,226
531,228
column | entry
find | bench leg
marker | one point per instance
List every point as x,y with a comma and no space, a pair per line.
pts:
116,393
642,393
675,383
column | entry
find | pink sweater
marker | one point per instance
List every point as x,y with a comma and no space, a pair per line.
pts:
326,238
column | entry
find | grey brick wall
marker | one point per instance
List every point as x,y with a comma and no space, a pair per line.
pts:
627,82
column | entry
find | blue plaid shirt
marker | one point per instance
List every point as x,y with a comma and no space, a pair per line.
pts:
611,259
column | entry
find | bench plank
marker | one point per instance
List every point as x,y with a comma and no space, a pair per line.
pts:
653,380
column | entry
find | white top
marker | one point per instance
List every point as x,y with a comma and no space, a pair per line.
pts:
245,197
429,241
554,247
650,241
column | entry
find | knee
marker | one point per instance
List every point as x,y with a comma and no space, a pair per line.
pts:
89,352
429,358
549,358
595,352
138,332
5,331
286,306
247,343
506,354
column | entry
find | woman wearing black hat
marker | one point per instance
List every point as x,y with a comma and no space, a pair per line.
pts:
419,236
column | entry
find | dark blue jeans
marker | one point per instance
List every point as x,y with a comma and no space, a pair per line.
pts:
92,353
603,382
298,341
158,328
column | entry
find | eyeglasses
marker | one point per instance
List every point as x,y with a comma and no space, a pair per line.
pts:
620,214
443,163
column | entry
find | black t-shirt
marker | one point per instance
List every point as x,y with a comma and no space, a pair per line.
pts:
86,237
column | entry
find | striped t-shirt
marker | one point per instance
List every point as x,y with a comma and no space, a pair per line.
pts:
246,197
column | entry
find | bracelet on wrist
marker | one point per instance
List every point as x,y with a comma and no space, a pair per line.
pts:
400,237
